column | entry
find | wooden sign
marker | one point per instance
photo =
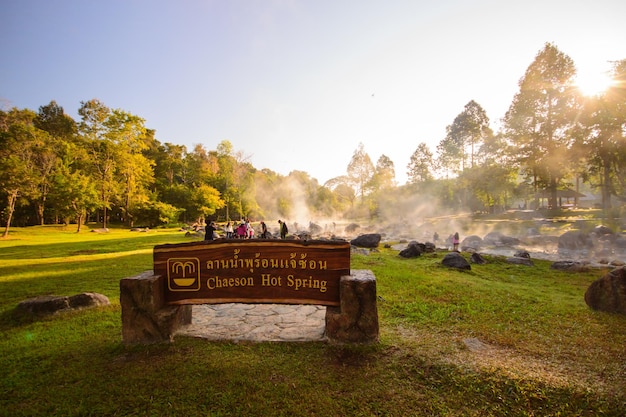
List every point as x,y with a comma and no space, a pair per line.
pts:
253,271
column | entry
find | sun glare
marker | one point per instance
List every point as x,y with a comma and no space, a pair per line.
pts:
593,83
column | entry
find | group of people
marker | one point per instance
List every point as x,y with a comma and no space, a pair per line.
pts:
244,230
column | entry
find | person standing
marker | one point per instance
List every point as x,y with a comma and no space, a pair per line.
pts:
229,230
210,231
263,230
283,229
455,241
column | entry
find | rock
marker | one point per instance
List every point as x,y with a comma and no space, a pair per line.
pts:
477,258
602,230
608,293
472,242
522,254
352,227
429,247
455,260
370,240
575,240
315,229
88,299
498,239
51,304
411,251
571,266
519,261
100,230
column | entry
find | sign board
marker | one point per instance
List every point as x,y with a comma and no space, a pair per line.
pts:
253,271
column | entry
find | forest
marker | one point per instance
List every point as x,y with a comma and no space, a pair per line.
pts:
109,167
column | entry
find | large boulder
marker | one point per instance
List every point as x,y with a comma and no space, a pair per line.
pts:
50,304
575,240
609,292
351,228
477,258
602,230
498,239
570,266
370,240
518,260
411,251
455,260
471,243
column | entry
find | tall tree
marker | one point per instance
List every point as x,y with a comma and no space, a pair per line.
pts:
464,137
421,165
541,116
103,151
133,170
384,174
18,171
602,141
360,171
60,128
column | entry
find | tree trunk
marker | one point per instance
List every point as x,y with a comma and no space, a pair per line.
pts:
606,186
11,208
79,221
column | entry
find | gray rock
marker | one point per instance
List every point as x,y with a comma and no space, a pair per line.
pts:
519,261
608,293
498,239
575,240
472,242
370,240
455,260
476,258
571,266
411,251
602,230
51,304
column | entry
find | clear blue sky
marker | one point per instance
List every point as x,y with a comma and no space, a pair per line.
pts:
295,84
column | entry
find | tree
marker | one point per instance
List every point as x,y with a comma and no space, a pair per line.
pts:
464,137
103,151
384,174
60,128
540,119
421,165
360,171
602,144
18,173
133,171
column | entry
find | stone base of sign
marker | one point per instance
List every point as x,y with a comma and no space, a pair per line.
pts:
145,316
147,319
356,319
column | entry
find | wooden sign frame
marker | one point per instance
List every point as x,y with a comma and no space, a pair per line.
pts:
253,271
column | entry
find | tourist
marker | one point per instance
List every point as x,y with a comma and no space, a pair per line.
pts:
241,231
455,241
263,230
283,229
229,230
210,231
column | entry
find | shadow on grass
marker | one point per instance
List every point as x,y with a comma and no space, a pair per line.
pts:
54,250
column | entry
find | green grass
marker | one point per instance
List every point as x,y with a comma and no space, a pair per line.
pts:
547,352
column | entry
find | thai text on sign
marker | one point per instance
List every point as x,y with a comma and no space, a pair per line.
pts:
253,271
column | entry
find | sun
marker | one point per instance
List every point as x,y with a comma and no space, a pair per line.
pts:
593,83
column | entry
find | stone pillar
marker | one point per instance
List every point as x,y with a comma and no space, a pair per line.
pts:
356,319
145,317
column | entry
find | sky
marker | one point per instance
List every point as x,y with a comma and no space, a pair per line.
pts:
295,84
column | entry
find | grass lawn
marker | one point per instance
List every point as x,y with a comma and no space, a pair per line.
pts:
500,340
